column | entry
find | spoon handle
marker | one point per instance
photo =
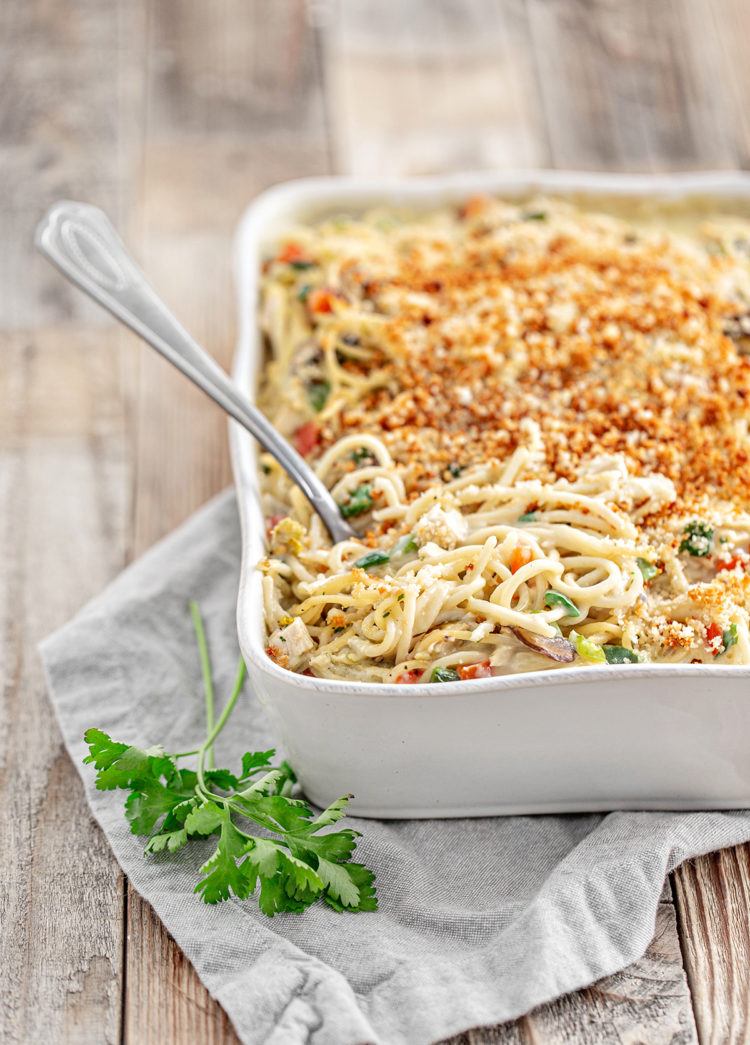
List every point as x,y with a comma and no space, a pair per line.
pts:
81,241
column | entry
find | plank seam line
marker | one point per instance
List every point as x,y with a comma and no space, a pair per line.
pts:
124,988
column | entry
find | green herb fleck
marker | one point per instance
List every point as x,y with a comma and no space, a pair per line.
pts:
375,558
317,393
620,655
360,500
698,539
554,598
648,570
729,638
404,545
445,675
303,291
360,455
535,215
456,469
528,517
302,264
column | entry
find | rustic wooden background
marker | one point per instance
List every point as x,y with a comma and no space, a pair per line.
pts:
172,114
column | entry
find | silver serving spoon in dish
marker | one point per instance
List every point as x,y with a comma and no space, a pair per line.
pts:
81,241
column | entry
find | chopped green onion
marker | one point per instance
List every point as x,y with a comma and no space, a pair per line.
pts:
404,545
317,393
445,675
302,264
698,539
588,649
620,655
554,598
528,517
376,558
535,215
360,500
303,291
648,570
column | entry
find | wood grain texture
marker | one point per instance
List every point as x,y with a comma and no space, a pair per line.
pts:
632,86
65,495
64,472
713,898
429,87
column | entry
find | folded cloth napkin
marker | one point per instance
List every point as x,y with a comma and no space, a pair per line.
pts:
479,920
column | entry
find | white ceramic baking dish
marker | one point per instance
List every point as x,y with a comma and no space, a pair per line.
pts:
568,740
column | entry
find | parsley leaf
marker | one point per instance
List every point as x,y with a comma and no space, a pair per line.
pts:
293,864
317,393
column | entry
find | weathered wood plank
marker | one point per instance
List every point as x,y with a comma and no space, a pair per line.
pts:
66,70
64,491
632,86
428,87
235,105
713,902
64,477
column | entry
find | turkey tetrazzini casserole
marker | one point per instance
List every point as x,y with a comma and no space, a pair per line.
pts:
535,416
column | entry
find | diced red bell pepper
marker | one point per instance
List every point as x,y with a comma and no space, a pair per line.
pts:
714,631
291,252
730,564
409,677
321,299
482,670
522,555
306,438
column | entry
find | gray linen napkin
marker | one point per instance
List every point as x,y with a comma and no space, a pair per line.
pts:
479,920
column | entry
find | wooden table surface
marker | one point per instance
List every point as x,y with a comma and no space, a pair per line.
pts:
172,114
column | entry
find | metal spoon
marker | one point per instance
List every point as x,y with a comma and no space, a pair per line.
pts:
81,241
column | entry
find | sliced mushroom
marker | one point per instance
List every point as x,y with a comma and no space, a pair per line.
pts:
555,647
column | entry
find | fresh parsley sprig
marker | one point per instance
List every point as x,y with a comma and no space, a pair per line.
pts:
293,863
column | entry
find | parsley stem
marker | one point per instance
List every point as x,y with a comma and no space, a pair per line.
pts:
200,636
182,754
228,709
207,744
